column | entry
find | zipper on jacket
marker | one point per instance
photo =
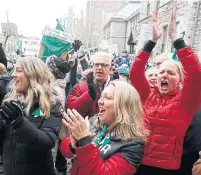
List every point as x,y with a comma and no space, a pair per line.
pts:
12,150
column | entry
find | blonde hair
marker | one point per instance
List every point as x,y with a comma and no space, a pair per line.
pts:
129,122
3,70
41,84
165,56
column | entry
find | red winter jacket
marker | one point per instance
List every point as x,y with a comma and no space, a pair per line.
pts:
80,100
168,117
117,158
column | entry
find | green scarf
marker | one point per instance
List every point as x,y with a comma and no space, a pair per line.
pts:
37,113
99,136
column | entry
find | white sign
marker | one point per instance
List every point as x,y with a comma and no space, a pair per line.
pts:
145,35
57,34
30,46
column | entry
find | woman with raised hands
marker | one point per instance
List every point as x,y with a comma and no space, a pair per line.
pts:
169,108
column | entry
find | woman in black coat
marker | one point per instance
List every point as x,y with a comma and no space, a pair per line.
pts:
30,120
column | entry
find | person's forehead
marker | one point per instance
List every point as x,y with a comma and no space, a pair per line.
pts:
152,71
168,65
109,89
18,65
102,59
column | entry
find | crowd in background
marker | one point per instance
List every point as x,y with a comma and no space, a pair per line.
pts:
102,114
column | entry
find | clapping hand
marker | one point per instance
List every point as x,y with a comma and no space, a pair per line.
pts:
12,112
157,30
79,127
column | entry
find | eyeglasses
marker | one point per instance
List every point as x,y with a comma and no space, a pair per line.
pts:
103,65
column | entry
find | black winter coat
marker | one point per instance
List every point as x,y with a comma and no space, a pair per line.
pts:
4,80
27,148
192,145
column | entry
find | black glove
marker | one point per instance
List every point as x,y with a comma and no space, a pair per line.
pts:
12,112
91,85
76,45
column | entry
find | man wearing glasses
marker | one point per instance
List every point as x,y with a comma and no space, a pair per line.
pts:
85,95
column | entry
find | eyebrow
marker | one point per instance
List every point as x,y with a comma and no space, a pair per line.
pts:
18,67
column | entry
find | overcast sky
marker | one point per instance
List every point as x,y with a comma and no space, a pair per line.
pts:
31,16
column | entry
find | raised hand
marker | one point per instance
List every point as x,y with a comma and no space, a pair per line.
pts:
157,30
172,25
76,45
91,85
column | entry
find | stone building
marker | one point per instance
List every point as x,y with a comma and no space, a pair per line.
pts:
132,31
164,8
118,28
194,27
97,13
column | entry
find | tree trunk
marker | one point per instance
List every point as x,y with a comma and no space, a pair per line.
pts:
5,42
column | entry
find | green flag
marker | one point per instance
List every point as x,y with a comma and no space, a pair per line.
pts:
54,44
59,26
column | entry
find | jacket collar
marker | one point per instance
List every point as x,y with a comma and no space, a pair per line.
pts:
105,84
172,93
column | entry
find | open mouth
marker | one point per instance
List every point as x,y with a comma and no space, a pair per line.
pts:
98,74
153,82
101,111
164,84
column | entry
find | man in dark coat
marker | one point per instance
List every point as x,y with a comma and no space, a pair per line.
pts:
192,145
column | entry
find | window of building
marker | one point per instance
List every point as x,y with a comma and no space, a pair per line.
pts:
148,8
164,41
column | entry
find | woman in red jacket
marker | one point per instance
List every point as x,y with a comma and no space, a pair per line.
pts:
170,107
118,147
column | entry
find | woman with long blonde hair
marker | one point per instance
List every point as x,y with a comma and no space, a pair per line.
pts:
118,145
30,119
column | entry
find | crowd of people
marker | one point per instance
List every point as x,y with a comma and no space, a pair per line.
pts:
109,117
